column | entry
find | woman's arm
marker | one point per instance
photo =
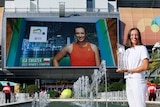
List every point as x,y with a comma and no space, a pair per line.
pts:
144,66
60,55
97,56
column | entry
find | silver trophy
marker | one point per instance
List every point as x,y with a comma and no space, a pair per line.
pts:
122,57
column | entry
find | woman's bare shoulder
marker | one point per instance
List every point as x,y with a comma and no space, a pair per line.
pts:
93,46
68,47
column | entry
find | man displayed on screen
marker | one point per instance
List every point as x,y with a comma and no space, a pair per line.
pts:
82,53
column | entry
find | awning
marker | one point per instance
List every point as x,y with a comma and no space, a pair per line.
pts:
4,83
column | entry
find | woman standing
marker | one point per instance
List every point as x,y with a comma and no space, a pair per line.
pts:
137,63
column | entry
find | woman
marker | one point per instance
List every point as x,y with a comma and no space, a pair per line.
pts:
82,53
137,63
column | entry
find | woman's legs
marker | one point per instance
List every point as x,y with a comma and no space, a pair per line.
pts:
136,92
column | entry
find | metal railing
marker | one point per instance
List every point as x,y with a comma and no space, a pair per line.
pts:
53,10
121,95
18,97
113,95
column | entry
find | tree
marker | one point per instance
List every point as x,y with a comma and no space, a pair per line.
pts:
32,88
155,62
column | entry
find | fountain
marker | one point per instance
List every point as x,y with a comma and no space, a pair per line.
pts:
2,98
16,99
85,94
89,92
85,90
40,100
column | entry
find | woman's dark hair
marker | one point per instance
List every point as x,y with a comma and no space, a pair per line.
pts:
128,41
79,26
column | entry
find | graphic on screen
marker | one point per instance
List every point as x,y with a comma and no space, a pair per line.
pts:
34,43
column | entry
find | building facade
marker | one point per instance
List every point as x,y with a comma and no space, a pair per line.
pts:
31,60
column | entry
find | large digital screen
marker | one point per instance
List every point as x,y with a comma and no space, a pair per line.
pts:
33,42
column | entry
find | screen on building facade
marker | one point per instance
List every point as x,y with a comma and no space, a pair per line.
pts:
34,43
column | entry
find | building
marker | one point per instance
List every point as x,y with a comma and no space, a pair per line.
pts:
21,17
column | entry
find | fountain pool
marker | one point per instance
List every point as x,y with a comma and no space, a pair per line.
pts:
74,104
85,94
101,103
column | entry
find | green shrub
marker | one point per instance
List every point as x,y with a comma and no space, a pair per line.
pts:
32,88
156,80
22,90
53,94
29,89
116,86
102,88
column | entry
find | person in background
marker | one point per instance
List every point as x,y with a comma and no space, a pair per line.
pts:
82,53
7,90
137,63
59,92
43,90
147,93
152,91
